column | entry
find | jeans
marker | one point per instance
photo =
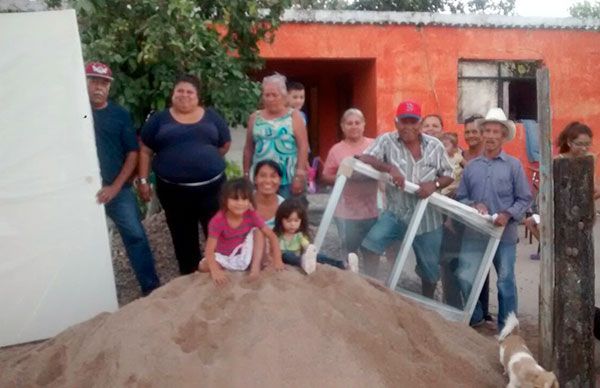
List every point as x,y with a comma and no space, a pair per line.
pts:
124,212
504,263
185,207
426,246
292,258
451,241
352,232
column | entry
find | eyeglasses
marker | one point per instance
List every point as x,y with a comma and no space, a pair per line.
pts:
580,144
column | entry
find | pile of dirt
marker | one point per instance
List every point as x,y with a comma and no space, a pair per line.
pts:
331,329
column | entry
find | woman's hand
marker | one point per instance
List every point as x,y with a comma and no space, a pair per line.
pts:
298,185
145,191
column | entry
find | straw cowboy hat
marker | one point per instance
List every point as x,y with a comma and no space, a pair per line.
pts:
496,115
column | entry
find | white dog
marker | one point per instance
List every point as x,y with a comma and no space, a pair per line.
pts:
522,369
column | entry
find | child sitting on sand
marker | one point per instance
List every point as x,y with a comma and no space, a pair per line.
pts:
291,227
236,235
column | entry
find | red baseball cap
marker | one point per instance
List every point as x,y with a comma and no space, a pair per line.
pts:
408,109
98,70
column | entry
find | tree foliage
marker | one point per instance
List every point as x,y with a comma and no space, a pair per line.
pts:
586,9
148,43
504,7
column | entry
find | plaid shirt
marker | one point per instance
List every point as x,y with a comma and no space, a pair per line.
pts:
434,163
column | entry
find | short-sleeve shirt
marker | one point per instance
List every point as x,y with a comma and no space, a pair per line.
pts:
274,139
186,153
229,238
434,163
115,138
295,244
359,197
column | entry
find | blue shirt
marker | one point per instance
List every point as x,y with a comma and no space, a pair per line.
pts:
186,153
115,138
500,184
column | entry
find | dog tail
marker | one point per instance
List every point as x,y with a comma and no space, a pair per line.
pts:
510,325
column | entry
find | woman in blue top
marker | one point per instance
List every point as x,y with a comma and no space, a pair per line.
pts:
188,142
277,132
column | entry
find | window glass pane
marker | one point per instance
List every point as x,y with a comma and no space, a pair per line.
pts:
477,69
356,212
518,69
445,263
476,97
435,251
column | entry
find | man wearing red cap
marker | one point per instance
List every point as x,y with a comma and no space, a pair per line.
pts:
118,151
407,154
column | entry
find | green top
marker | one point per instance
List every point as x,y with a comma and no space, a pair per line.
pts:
274,139
296,244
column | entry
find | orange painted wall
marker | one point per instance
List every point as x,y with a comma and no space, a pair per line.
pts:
421,63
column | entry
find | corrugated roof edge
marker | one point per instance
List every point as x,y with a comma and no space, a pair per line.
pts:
437,19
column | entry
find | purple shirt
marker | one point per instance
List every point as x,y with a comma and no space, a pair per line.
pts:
501,185
229,238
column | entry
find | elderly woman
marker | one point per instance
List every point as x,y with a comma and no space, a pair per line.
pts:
278,133
188,142
357,210
433,125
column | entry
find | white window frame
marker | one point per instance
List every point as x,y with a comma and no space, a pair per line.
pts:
460,211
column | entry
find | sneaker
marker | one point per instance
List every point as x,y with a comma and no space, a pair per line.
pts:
353,262
308,261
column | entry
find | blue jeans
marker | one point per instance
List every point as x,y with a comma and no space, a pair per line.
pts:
352,232
292,258
504,263
124,212
426,246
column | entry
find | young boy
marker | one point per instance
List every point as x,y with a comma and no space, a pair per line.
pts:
296,97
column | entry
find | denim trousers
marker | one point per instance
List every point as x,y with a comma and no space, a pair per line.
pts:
352,232
292,258
124,212
504,263
426,246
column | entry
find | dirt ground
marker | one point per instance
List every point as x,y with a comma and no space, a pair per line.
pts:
527,272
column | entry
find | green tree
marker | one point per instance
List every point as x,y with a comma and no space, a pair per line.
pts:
455,6
586,9
148,43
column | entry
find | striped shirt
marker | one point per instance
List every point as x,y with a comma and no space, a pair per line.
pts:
434,163
229,238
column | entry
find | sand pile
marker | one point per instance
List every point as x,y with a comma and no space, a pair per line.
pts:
332,329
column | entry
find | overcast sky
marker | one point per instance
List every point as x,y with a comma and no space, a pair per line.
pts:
549,8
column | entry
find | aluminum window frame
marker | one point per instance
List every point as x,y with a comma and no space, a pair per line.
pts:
457,210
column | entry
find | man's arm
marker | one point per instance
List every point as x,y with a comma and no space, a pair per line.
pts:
107,193
395,174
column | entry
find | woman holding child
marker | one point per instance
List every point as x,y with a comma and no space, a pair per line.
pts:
278,132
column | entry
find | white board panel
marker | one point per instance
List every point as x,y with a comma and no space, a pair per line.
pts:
55,265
